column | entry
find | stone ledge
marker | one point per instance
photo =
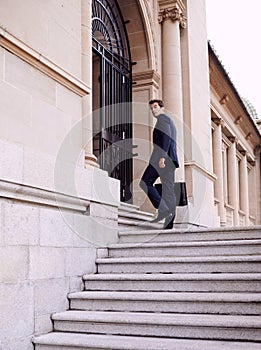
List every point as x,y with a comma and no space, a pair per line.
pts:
25,193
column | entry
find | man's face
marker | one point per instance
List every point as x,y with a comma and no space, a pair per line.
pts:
156,109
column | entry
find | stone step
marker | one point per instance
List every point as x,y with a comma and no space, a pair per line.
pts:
131,218
73,341
194,248
179,302
160,325
142,216
128,207
123,210
190,234
213,264
198,282
127,223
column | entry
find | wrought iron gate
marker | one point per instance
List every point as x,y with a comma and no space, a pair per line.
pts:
113,136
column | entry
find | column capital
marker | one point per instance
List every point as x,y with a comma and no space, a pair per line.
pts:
172,10
233,139
252,162
219,121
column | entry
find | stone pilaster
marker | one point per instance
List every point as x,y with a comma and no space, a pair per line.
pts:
233,195
86,7
218,170
243,188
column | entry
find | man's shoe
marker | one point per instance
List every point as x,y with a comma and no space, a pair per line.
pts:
161,216
168,223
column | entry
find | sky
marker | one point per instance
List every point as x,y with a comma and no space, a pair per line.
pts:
234,28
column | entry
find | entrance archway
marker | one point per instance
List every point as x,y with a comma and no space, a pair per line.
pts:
112,94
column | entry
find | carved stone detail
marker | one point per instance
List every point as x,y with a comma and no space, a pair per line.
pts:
249,136
173,14
238,120
224,100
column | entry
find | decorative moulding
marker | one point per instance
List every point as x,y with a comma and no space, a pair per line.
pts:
173,10
147,78
224,100
163,4
195,165
28,194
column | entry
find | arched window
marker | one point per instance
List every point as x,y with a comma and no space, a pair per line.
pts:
109,33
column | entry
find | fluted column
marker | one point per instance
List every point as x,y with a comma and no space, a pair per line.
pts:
244,195
86,8
218,170
171,17
233,194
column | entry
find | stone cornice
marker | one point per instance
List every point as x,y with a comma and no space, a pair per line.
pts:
195,165
172,10
163,4
42,63
149,77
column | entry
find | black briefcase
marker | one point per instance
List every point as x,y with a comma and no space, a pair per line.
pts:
180,192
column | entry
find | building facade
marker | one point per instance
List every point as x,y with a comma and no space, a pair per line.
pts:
236,151
75,78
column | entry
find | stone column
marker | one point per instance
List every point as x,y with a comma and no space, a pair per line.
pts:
218,170
233,194
86,7
244,195
172,18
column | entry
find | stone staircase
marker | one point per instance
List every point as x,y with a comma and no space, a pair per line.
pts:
130,217
182,290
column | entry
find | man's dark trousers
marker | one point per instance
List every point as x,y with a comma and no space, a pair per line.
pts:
166,201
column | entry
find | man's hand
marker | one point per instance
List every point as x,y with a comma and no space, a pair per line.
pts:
162,163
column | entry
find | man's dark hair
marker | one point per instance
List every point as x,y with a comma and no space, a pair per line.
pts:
159,102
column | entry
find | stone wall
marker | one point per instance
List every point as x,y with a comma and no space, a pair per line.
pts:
54,209
44,252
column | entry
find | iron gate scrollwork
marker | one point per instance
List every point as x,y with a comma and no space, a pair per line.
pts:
113,141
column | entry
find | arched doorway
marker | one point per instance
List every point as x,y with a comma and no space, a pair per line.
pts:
112,94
